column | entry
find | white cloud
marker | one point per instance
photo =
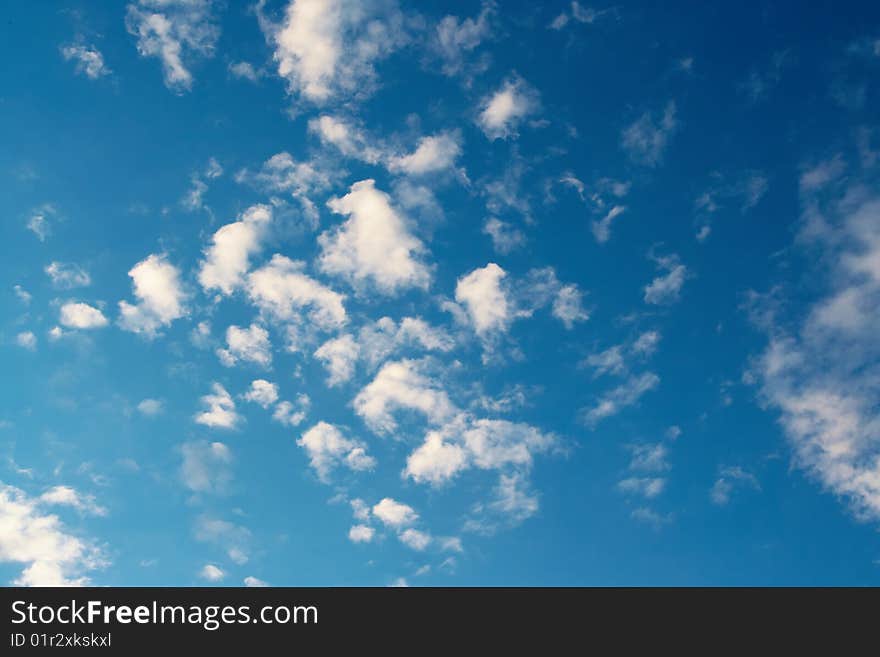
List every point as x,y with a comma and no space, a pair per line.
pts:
211,573
666,288
432,155
253,582
646,140
730,478
374,243
505,237
480,443
68,496
484,299
360,509
348,138
513,499
455,38
290,414
150,407
232,538
615,359
246,344
205,467
281,173
328,48
40,221
88,60
50,553
361,534
23,295
820,371
394,514
26,340
245,71
568,306
228,257
618,398
401,385
67,276
415,539
160,297
328,449
648,487
281,290
502,112
339,356
81,316
220,409
580,14
262,392
376,342
602,228
172,31
649,457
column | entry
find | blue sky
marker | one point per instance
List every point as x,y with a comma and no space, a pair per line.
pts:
361,293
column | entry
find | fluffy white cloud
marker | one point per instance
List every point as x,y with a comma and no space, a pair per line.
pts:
361,534
159,293
480,443
373,244
245,71
253,582
67,276
81,316
383,337
666,288
646,139
220,409
502,112
281,173
228,257
455,38
205,466
401,385
50,553
262,392
432,155
211,573
568,306
348,138
26,340
88,60
821,371
339,356
620,397
246,344
281,290
484,298
328,448
290,414
68,496
394,514
173,30
328,48
415,539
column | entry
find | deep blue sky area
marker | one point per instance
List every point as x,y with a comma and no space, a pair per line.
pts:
337,292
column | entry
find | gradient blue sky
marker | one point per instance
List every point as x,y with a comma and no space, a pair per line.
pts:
363,293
